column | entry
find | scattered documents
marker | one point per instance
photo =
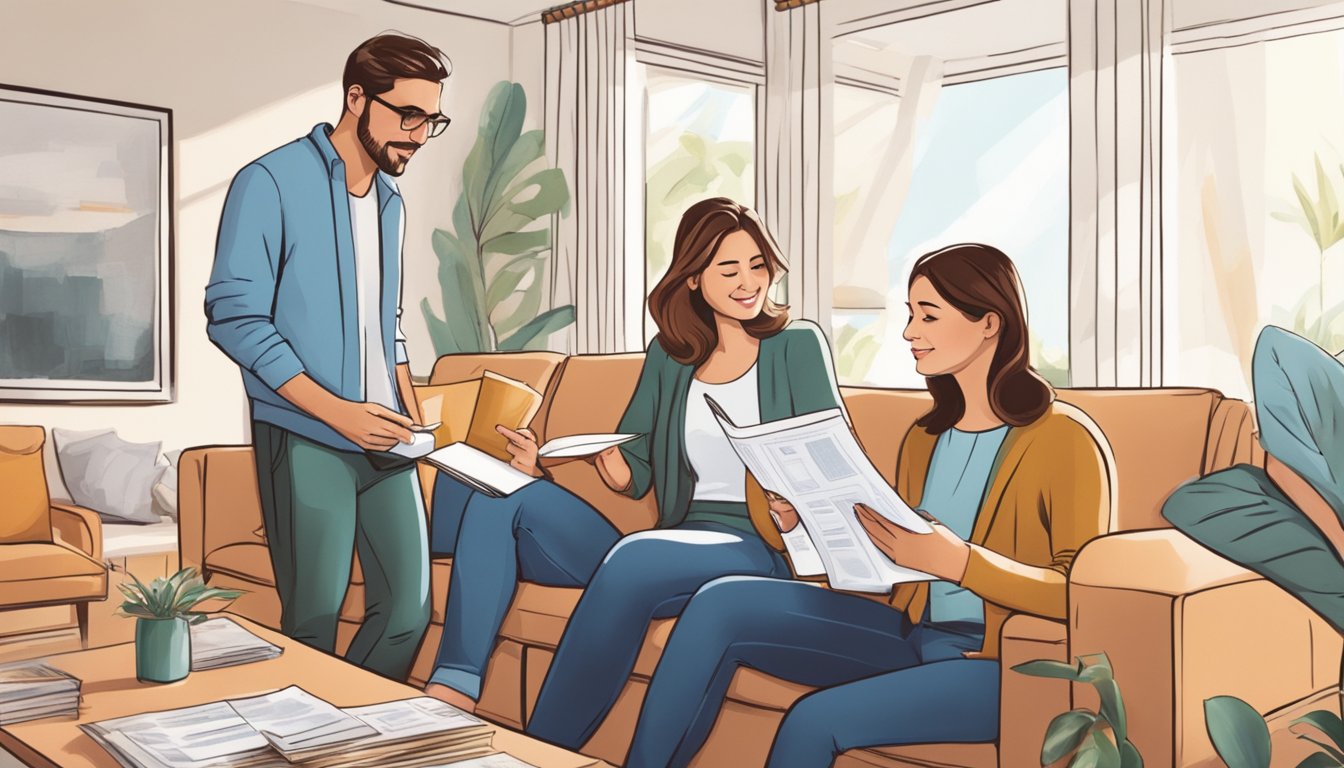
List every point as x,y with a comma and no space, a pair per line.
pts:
293,727
30,690
222,642
814,461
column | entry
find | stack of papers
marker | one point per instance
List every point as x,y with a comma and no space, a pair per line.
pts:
30,690
221,642
293,727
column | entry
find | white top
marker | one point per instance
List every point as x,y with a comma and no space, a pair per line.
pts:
378,387
719,473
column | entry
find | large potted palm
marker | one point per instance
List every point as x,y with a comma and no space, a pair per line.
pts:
491,265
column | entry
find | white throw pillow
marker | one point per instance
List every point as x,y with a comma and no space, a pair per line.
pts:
109,475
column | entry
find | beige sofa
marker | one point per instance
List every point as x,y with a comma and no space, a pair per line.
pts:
1179,624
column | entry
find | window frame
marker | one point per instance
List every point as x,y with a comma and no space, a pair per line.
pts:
690,64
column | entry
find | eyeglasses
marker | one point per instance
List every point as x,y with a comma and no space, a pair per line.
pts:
412,118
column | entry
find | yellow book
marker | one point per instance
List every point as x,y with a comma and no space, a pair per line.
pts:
470,410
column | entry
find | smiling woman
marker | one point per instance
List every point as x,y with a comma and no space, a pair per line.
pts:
719,333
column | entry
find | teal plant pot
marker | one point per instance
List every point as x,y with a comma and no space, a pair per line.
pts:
162,650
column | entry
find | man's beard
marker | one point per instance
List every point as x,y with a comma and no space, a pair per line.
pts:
382,153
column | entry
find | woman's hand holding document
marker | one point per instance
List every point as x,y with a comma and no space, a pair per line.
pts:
482,438
815,463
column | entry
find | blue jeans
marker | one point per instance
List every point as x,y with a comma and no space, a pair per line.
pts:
648,575
893,682
541,533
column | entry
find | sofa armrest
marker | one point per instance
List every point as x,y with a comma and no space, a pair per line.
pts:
217,501
191,507
1027,703
80,528
1180,625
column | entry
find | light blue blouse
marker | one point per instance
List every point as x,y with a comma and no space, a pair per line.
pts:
959,475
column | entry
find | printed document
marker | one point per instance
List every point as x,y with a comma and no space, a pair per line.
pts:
815,463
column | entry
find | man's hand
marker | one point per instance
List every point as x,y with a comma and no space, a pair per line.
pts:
368,425
523,448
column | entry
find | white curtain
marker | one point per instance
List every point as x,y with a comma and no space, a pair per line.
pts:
588,58
1115,160
795,183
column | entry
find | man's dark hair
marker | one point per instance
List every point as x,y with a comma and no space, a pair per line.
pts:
380,61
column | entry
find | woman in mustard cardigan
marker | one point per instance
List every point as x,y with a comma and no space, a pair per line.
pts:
1018,482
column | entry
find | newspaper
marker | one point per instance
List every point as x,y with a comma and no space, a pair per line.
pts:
814,461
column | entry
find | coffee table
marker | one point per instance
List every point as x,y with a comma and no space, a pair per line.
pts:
111,690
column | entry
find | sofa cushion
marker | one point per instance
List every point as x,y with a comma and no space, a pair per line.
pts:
43,572
538,615
111,476
247,561
26,514
590,395
1159,439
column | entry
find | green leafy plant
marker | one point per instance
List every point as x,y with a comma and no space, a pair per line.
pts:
1321,218
174,597
1093,739
491,266
855,351
699,167
1241,736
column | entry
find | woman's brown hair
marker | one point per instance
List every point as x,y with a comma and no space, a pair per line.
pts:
976,280
686,326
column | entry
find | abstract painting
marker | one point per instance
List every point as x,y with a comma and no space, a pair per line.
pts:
85,249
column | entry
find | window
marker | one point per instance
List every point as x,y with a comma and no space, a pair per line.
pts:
699,142
1254,175
989,163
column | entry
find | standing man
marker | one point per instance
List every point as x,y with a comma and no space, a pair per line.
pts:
305,298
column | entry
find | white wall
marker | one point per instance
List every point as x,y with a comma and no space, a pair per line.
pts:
735,28
241,77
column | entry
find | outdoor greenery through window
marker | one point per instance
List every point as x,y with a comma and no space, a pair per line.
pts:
699,142
989,164
1252,218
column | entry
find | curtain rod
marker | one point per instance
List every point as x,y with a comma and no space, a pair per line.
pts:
576,8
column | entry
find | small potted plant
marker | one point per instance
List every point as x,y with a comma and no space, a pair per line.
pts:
163,613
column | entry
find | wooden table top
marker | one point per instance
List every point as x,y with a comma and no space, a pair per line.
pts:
110,690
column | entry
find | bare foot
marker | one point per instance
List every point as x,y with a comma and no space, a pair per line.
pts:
455,698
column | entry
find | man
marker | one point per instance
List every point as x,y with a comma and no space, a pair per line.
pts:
304,297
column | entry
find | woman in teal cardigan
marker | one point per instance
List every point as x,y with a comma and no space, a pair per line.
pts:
720,335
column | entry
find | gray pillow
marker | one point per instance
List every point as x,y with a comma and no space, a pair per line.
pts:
109,475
